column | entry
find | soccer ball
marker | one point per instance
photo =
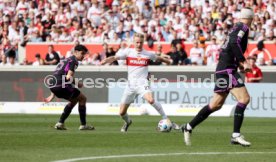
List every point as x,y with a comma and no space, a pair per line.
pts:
164,125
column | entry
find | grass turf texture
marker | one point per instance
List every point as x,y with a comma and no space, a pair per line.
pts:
32,138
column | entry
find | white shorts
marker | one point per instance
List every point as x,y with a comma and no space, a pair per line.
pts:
131,92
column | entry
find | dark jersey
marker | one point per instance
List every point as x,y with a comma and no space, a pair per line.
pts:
70,63
233,48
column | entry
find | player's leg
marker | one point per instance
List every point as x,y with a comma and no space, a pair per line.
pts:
215,104
66,112
243,98
125,117
82,112
148,96
127,98
158,107
64,93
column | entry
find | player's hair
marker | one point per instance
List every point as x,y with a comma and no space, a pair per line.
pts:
81,48
246,13
139,35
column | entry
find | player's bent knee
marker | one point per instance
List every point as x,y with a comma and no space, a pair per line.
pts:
151,101
123,109
244,100
215,107
82,99
122,112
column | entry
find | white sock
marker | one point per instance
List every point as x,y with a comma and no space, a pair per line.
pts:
160,110
126,118
188,127
235,135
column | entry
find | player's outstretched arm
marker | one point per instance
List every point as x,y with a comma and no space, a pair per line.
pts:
165,60
109,60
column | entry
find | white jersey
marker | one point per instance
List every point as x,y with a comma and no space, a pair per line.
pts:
137,64
212,54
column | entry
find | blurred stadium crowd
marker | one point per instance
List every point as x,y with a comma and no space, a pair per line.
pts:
105,21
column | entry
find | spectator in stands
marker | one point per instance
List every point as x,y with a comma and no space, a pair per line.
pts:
64,37
71,52
175,19
196,54
270,36
25,62
38,60
212,52
183,57
3,60
23,29
11,55
96,59
256,74
52,57
261,61
175,39
174,55
116,38
35,37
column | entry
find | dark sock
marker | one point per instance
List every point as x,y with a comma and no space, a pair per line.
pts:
82,112
238,117
66,112
201,116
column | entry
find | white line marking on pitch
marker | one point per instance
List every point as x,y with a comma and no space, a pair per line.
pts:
161,154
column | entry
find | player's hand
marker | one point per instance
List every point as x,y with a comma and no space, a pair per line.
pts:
49,99
102,62
80,85
170,61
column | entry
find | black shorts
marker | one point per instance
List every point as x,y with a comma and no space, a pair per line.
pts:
68,93
227,80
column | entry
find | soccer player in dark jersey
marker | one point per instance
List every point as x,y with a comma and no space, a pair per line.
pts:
65,88
228,80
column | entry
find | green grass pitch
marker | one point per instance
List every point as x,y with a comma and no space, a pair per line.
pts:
32,138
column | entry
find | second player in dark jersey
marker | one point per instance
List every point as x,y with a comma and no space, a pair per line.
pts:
64,88
228,80
70,63
233,48
231,58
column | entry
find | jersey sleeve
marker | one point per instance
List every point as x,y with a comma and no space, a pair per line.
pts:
73,64
122,54
152,56
235,43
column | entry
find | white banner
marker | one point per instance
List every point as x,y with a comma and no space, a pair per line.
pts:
108,109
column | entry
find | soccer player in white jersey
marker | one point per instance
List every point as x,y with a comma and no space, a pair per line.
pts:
137,63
